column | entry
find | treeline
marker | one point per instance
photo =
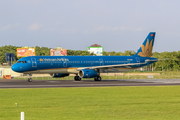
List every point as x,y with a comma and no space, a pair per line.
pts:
171,64
40,51
168,61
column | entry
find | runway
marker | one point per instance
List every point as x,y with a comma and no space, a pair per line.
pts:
85,83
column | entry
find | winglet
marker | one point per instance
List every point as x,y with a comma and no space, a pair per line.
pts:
146,48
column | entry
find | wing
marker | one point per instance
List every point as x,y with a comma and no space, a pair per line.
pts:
130,65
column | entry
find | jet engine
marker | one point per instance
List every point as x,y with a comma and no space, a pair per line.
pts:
59,75
87,73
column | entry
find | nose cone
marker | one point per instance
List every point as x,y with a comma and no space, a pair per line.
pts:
16,68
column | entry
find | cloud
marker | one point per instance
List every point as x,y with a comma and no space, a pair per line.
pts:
5,27
49,29
35,26
8,27
122,28
71,30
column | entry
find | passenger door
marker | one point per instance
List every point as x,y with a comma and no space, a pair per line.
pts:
64,62
101,62
34,63
138,60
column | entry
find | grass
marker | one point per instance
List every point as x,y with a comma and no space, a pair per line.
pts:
93,103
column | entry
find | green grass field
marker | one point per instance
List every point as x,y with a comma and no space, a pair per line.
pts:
93,103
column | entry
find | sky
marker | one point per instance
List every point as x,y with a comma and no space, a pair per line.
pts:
116,25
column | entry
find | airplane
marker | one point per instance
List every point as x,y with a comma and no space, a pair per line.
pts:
86,66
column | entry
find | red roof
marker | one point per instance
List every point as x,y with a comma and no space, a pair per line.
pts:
95,45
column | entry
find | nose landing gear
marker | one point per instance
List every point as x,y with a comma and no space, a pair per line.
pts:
30,79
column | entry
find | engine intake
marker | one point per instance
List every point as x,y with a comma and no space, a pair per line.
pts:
87,73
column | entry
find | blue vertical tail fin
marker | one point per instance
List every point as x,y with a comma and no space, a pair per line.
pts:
146,48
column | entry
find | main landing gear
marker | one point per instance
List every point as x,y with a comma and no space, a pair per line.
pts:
98,78
30,79
77,78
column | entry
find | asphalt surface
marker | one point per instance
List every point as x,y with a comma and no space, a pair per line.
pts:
85,83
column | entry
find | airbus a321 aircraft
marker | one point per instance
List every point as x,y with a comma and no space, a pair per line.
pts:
86,66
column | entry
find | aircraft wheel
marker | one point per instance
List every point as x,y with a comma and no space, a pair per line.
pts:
98,78
77,78
29,80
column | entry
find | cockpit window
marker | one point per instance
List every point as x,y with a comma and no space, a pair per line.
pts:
22,62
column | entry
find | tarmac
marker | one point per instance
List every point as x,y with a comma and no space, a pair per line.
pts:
5,83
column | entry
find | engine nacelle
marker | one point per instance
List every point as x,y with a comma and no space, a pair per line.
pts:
87,73
59,74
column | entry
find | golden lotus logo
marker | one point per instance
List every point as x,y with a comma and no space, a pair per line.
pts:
147,49
41,59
